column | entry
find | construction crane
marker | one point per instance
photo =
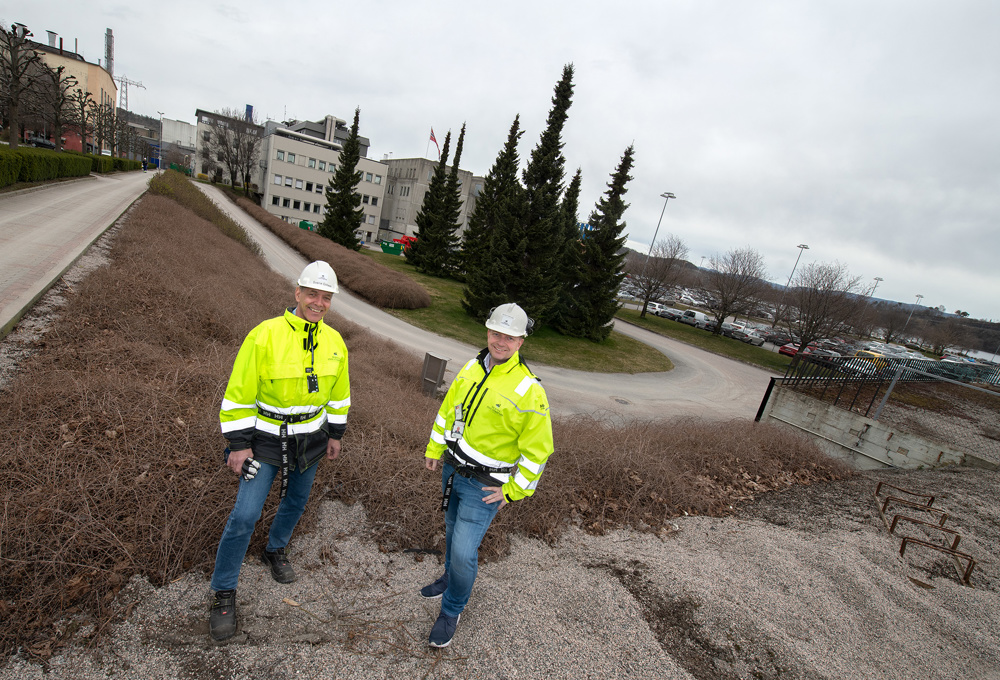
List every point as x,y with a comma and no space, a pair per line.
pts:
125,82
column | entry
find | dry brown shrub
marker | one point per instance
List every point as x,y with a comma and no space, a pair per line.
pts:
113,463
376,283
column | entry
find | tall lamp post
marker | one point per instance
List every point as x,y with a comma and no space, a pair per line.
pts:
801,247
159,154
666,196
878,280
911,311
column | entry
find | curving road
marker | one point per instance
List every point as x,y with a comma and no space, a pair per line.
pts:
701,384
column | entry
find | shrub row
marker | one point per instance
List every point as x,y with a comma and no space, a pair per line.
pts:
175,185
372,281
38,165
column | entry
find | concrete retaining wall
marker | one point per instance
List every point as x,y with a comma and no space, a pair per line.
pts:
867,444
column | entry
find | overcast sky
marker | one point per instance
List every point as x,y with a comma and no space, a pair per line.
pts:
869,130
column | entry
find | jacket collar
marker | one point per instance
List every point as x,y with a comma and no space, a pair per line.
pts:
300,324
505,367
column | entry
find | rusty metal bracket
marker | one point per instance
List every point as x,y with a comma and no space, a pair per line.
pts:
910,504
930,499
954,534
957,556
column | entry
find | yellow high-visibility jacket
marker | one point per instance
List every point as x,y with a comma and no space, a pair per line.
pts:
270,374
507,423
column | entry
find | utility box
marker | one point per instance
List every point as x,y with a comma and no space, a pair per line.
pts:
433,373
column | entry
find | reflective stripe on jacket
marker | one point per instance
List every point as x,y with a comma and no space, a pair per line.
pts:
270,372
507,422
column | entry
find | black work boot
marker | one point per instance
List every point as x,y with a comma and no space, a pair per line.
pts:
222,617
281,570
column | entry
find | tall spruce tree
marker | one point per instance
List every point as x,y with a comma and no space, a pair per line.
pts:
343,204
538,284
447,225
593,301
569,253
426,248
489,261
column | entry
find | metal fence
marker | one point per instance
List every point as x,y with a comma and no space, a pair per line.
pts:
955,404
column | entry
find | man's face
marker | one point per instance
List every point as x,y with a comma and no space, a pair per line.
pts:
501,346
311,304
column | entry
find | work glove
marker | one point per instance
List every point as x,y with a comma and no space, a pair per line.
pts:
250,468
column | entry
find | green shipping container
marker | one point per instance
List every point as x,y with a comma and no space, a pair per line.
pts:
392,248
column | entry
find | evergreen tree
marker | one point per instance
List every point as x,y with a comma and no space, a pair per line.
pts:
426,248
569,253
496,221
343,204
593,301
538,284
446,229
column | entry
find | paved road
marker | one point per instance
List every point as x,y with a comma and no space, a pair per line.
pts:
701,384
43,231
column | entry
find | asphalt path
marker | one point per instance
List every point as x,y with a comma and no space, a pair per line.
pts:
701,384
43,230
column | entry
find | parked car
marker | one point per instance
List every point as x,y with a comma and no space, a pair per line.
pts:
750,336
730,330
41,142
670,313
654,308
696,319
778,337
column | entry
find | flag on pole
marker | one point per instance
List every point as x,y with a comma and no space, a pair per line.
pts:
434,139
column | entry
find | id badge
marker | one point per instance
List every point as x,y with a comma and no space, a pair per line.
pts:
313,381
459,425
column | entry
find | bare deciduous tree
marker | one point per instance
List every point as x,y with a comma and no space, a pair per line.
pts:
827,297
18,66
57,100
235,143
736,280
81,115
653,276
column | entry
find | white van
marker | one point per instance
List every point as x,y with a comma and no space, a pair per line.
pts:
693,318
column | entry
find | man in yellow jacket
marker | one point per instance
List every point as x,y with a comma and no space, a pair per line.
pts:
285,407
493,436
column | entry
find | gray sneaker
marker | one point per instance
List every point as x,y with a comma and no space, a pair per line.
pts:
222,617
443,630
436,589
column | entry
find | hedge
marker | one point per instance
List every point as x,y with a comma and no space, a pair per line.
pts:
38,165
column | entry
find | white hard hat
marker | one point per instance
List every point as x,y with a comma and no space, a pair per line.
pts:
318,275
510,320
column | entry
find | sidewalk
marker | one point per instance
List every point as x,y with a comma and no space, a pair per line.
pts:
45,229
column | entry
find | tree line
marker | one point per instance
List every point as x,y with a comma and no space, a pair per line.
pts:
35,96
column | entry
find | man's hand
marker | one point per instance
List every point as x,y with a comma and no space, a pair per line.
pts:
496,494
431,464
236,458
332,449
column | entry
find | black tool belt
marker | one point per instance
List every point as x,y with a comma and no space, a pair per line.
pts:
453,456
285,419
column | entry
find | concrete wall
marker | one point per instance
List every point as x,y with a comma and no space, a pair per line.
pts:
867,444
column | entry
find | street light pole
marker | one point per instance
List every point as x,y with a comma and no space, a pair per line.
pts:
666,195
159,154
801,247
911,311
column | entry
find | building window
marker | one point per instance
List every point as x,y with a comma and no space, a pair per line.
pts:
368,177
404,191
312,162
365,199
307,206
285,202
319,188
333,168
378,179
309,186
316,208
275,200
297,205
322,165
291,158
371,219
277,180
391,189
298,184
206,136
288,181
374,200
280,155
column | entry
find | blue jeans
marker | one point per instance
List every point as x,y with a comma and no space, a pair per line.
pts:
466,522
249,504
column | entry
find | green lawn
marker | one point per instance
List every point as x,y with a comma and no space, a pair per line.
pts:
618,354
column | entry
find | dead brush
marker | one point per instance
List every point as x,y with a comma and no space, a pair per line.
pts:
377,284
113,462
